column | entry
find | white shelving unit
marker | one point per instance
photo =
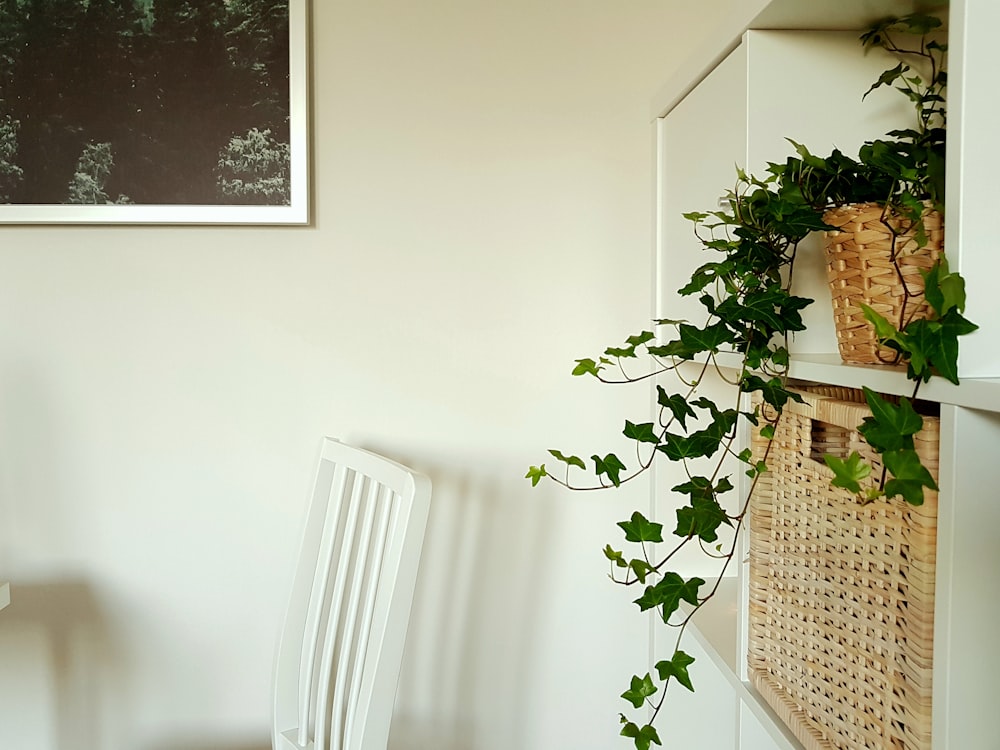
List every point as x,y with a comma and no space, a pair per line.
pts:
772,71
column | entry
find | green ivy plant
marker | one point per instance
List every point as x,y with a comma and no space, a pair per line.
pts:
750,310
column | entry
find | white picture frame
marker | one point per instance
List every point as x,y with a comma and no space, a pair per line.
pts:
294,212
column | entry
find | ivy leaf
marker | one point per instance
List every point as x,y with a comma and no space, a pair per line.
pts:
888,78
705,276
890,427
641,568
767,432
848,473
773,307
640,338
676,403
610,466
640,689
700,487
668,593
707,339
773,391
642,736
704,515
944,290
633,342
676,667
641,529
937,342
909,476
642,433
703,442
570,460
702,519
535,474
587,367
620,352
615,556
885,330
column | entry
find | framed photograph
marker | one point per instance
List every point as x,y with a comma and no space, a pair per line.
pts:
135,111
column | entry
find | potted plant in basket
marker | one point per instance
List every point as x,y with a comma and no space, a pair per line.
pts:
750,310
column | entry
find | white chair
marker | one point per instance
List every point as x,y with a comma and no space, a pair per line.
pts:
342,644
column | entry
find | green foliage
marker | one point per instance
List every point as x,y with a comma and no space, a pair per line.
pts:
641,529
668,593
92,172
642,736
10,173
640,689
255,169
536,474
848,473
749,313
930,345
677,667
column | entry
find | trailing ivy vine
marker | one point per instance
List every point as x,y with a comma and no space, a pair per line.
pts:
750,310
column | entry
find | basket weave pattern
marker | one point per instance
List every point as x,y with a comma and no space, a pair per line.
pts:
841,595
861,270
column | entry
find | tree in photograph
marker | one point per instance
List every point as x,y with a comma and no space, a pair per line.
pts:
254,169
10,173
92,172
257,34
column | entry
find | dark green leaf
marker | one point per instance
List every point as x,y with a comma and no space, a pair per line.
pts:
640,689
642,736
701,518
676,403
668,593
609,466
773,391
910,476
676,667
642,433
890,427
641,529
707,339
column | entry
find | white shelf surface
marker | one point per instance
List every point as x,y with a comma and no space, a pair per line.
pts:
973,393
4,595
716,628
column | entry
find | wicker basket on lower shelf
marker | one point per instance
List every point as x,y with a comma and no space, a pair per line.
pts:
841,594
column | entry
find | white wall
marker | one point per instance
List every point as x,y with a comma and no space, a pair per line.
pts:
482,175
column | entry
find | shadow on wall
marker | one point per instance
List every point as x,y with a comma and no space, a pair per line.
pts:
55,650
470,645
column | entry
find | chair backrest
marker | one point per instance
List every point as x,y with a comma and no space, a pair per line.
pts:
341,648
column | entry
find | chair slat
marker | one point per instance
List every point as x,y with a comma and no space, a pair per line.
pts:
389,502
350,643
330,503
330,642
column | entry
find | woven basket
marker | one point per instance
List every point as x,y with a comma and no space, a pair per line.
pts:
841,594
859,259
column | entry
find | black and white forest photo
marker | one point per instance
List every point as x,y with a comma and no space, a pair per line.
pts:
145,103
